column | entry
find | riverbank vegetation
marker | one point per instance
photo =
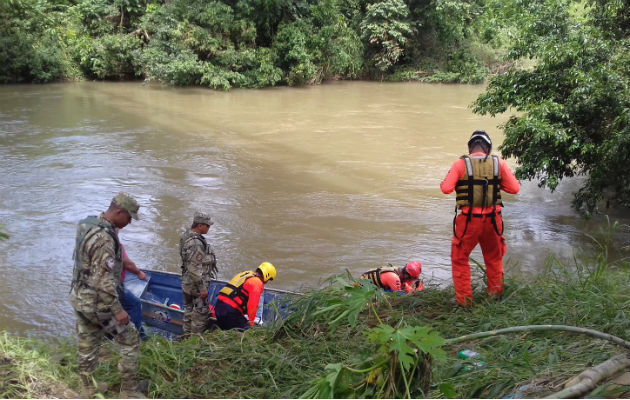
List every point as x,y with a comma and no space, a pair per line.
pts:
253,44
564,65
257,43
347,340
574,103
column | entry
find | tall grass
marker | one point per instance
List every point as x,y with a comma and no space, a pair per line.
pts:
32,369
327,346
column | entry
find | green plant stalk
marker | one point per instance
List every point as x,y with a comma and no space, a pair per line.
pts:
586,331
478,265
415,366
375,313
404,376
363,371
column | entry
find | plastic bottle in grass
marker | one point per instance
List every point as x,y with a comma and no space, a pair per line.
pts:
472,356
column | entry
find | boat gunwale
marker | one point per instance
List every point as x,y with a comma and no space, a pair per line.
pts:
175,274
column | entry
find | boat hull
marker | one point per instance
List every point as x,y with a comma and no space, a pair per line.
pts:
162,301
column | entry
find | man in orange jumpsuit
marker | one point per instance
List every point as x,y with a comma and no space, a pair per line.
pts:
237,302
478,179
397,279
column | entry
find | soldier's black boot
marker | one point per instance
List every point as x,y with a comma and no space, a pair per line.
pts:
134,389
89,387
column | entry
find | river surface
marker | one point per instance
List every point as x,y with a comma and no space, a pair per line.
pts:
316,180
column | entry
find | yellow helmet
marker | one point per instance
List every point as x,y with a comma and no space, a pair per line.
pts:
268,271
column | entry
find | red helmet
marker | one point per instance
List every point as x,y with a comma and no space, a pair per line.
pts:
413,269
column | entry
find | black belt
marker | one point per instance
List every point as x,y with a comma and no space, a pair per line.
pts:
483,215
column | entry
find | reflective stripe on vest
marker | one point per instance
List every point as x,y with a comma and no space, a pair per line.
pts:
482,186
375,275
234,290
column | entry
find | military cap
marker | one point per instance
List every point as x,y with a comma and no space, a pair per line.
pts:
127,203
202,218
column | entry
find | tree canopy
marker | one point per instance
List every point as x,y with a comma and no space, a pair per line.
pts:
239,43
573,105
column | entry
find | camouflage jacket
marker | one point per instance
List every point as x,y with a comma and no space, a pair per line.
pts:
97,267
199,264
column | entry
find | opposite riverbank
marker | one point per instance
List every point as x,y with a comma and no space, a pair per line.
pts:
350,341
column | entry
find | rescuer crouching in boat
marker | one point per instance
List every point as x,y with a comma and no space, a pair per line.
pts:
237,302
397,279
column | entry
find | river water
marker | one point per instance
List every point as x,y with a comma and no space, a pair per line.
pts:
316,180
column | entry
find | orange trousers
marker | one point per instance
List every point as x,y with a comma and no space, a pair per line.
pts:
480,231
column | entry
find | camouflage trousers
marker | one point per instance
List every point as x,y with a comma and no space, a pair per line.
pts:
90,334
196,314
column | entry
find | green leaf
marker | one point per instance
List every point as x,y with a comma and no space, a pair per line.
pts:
324,387
448,390
407,343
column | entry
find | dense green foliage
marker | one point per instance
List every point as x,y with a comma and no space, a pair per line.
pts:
385,29
347,340
33,41
574,104
240,43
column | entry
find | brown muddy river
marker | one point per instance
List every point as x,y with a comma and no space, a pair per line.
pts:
316,180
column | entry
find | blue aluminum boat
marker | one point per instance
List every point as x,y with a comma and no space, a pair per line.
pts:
162,301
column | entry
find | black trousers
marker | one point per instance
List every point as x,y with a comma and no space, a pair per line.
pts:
229,317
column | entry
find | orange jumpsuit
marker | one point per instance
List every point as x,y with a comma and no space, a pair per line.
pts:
480,231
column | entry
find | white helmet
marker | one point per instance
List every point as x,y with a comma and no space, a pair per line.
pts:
482,136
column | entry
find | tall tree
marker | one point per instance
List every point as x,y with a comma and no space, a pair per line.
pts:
385,27
574,104
33,41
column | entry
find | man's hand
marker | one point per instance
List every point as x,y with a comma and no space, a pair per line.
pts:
122,317
204,294
141,275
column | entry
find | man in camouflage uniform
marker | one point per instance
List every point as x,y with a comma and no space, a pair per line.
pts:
199,266
94,297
